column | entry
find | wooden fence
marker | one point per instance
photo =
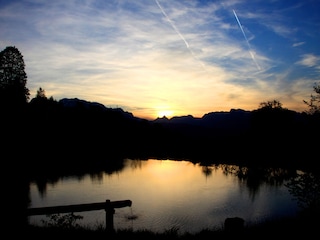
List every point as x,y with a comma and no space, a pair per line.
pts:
108,206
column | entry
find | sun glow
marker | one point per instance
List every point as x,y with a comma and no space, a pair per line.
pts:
165,113
167,170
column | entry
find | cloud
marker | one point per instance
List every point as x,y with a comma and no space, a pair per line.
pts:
127,53
309,60
274,20
298,44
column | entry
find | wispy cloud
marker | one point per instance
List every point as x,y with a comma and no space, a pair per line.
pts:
146,54
309,60
298,44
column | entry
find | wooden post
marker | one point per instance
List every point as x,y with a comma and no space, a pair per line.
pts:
109,217
107,205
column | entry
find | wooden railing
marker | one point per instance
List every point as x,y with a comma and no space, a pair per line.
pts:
108,206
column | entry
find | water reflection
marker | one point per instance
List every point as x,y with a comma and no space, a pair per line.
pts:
169,193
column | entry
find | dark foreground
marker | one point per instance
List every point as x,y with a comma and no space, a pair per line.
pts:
302,227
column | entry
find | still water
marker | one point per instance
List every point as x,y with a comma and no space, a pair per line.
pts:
168,194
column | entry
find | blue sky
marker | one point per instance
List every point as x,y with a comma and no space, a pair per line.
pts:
172,57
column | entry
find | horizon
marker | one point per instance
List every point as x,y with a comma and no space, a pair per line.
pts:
172,116
168,58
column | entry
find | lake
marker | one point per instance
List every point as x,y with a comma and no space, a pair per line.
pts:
171,194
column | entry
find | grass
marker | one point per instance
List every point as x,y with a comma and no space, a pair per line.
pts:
293,227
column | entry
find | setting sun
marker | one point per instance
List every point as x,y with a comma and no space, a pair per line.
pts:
167,113
165,61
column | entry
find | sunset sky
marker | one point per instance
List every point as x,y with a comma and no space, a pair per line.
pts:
172,57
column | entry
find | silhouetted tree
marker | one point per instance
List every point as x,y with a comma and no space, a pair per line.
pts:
13,78
314,103
272,116
273,130
274,104
42,99
41,93
14,96
43,111
305,188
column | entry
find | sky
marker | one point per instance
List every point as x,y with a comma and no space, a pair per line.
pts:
168,57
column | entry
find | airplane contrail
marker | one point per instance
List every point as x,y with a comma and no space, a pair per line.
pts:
245,37
179,33
172,24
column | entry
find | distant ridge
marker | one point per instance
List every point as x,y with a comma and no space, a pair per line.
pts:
76,102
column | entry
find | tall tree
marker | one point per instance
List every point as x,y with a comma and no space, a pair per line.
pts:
13,99
314,103
13,78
